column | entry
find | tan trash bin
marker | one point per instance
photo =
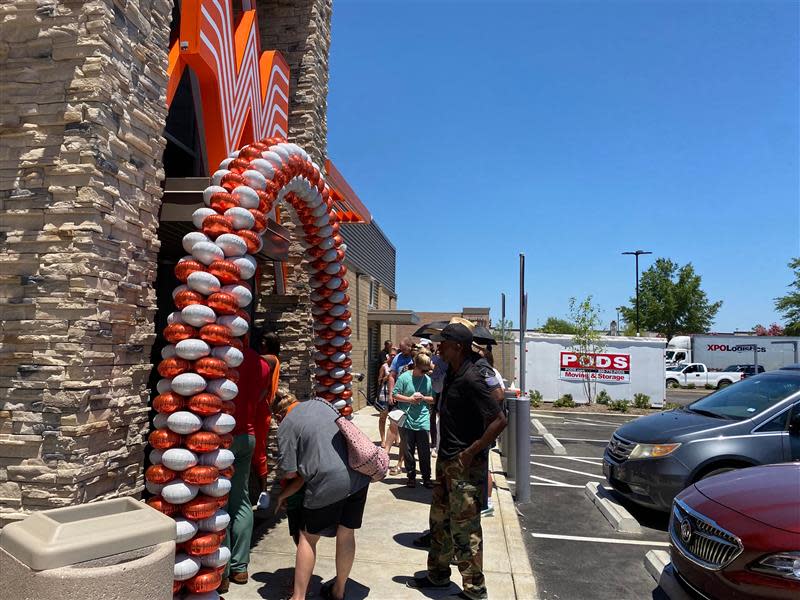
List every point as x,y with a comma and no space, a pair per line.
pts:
112,550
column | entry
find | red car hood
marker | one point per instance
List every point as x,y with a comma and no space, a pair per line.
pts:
769,494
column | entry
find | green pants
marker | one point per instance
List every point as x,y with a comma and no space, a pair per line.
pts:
240,530
455,523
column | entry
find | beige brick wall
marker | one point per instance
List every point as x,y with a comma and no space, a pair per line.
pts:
82,111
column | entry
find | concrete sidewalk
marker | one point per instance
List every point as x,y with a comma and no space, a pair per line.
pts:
385,556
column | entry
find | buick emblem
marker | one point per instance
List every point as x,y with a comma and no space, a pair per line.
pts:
686,531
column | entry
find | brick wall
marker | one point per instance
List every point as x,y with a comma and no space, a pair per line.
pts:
83,89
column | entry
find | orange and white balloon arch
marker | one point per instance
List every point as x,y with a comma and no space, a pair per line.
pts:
191,461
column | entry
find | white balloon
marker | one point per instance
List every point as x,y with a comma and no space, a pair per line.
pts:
325,231
224,388
338,373
336,388
188,384
323,219
198,315
255,179
339,325
192,349
186,567
185,530
320,356
242,294
220,423
181,288
281,150
216,178
207,252
168,351
203,282
200,215
245,196
154,488
339,404
237,325
247,266
184,422
227,162
315,283
263,167
210,191
336,297
318,310
160,420
233,357
338,357
241,218
337,310
218,488
192,238
338,341
174,317
274,159
178,459
222,459
155,456
216,559
231,244
319,211
333,268
179,492
333,283
217,522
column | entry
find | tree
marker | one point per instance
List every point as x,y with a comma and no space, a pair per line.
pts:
584,318
671,301
773,329
789,305
502,331
556,325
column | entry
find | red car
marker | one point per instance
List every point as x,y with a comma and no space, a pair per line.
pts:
736,536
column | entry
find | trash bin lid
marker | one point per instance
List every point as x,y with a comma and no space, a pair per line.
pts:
66,536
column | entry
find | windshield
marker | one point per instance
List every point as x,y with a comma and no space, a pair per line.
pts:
748,397
733,369
676,368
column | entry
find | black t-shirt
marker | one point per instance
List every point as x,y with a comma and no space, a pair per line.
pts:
465,409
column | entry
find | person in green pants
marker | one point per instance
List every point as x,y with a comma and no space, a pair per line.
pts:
254,379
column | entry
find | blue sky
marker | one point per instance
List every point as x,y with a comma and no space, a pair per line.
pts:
572,131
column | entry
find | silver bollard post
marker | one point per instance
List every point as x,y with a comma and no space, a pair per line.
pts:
511,435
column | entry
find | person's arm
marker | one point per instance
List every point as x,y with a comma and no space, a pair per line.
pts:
295,483
494,429
398,393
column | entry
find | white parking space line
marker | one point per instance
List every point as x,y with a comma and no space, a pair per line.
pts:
600,458
586,461
547,480
538,464
568,439
588,424
560,485
580,538
597,422
538,416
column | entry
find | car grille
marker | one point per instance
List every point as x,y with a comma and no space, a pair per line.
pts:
707,544
619,448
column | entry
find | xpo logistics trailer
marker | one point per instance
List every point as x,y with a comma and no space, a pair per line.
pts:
720,351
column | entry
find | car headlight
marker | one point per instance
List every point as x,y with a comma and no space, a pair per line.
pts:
653,450
783,564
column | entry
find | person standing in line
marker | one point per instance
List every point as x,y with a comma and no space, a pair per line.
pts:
494,381
414,396
387,349
470,419
269,348
382,402
312,447
254,381
401,361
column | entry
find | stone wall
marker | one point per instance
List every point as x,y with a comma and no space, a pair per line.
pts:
300,30
83,89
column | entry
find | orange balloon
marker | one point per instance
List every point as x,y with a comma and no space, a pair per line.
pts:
162,439
223,303
346,410
232,374
232,180
210,367
224,270
200,475
206,580
329,396
346,394
226,441
176,332
229,407
346,347
159,474
202,441
227,472
215,225
186,267
186,297
216,335
237,343
221,502
204,404
176,585
325,379
202,544
168,402
199,508
163,506
261,220
222,201
173,366
251,239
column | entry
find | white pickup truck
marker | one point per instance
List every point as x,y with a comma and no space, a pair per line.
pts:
699,375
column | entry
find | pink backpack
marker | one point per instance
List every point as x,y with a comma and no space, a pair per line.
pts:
363,456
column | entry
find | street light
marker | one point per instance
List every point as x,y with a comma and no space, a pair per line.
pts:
637,254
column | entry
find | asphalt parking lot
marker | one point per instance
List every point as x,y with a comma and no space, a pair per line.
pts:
574,550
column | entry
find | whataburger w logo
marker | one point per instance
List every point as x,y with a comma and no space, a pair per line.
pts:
244,92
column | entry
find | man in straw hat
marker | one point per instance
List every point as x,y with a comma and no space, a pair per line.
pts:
470,419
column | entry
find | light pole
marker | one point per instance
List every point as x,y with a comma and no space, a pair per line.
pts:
637,254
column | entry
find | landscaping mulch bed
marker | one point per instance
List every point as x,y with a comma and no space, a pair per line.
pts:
599,408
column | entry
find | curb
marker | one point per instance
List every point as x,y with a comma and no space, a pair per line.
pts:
555,446
537,425
616,514
524,582
655,561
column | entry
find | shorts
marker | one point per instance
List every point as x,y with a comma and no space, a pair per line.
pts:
347,513
295,517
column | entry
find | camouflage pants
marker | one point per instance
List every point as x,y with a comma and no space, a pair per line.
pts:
455,523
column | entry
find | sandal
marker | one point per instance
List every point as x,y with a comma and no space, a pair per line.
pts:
394,471
326,591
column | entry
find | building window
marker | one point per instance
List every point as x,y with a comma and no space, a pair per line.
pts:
373,293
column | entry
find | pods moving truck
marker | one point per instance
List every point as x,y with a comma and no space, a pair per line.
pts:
720,351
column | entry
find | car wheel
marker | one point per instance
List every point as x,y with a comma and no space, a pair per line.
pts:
672,383
717,472
723,384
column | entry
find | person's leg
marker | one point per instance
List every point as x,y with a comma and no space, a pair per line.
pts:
441,550
345,554
304,563
408,441
465,509
240,529
424,450
382,427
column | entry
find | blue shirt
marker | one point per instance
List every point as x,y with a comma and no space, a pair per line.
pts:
400,361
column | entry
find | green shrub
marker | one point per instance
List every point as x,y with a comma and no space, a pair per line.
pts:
619,405
565,401
603,397
536,398
641,400
671,406
709,386
691,386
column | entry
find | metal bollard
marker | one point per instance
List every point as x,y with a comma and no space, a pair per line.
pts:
511,439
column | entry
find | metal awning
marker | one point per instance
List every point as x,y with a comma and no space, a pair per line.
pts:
184,195
392,317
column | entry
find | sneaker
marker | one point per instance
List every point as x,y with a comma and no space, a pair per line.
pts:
427,484
423,541
422,583
487,512
434,453
411,483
